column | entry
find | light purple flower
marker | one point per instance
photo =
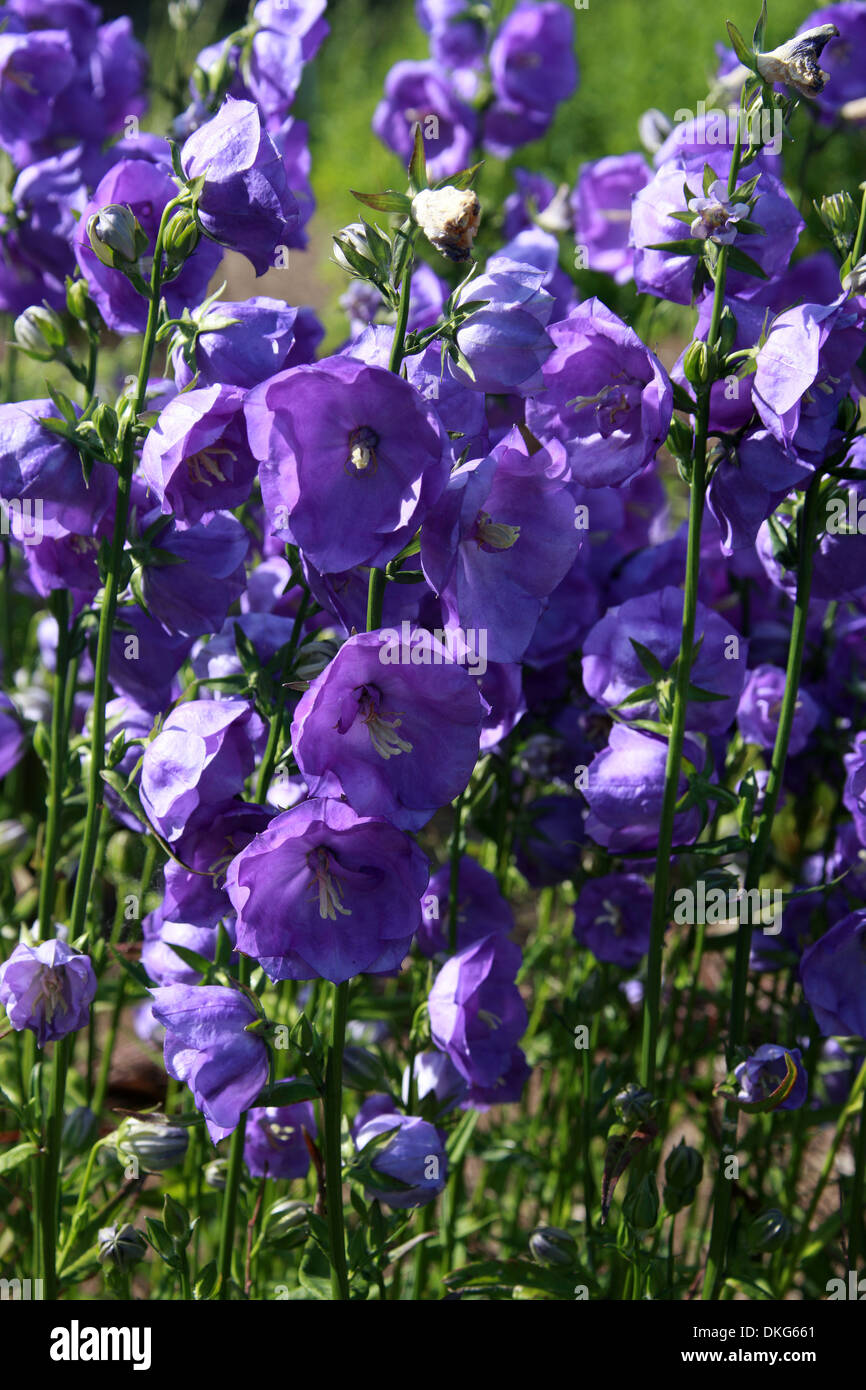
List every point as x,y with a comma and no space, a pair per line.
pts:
47,988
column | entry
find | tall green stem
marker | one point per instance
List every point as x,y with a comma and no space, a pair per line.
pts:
50,1207
108,607
59,604
754,869
333,1107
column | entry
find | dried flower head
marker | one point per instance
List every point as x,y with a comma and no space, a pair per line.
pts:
449,218
795,63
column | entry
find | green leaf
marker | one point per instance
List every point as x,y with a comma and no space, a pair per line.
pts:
389,201
743,52
738,260
691,246
648,660
508,1274
704,697
463,179
760,30
134,969
418,163
13,1158
682,400
287,1093
710,177
192,958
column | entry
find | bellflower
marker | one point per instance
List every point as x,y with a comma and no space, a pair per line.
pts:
669,275
612,918
47,988
395,727
601,203
202,754
145,188
324,893
802,372
196,459
481,908
274,1144
549,840
499,542
532,69
415,1156
351,460
765,1070
833,972
192,576
236,344
42,471
208,1048
612,668
505,342
418,92
476,1013
245,202
607,398
759,710
625,788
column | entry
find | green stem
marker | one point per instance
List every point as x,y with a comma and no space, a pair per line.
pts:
275,732
59,604
228,1214
50,1213
855,1217
333,1111
108,607
858,1095
659,919
722,1201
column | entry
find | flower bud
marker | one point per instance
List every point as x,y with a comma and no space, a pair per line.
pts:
40,332
14,837
79,1129
353,252
215,1173
449,218
641,1205
120,1246
182,236
115,235
361,1070
155,1146
552,1246
78,300
633,1104
769,1230
303,1037
840,216
287,1220
684,1168
697,363
175,1218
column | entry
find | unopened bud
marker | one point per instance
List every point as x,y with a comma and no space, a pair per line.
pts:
840,216
40,332
697,363
769,1231
287,1220
352,251
552,1246
641,1205
115,235
120,1246
633,1104
182,236
155,1146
